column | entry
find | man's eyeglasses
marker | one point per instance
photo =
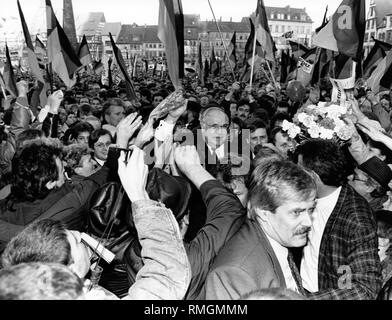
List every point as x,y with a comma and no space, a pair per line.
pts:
217,127
102,145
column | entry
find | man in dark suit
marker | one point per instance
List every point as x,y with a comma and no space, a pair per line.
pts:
281,200
340,260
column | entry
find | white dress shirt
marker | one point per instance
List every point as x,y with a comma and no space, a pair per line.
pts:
282,254
220,152
310,258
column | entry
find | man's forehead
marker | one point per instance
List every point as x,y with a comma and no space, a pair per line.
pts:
216,115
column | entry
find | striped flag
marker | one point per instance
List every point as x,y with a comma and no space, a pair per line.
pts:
345,30
61,55
32,58
8,74
233,51
263,33
379,72
121,64
84,53
171,33
375,56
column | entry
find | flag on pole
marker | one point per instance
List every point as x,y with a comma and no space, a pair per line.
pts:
298,49
379,72
233,51
98,67
263,33
214,68
375,56
206,69
325,21
8,75
171,33
84,53
345,30
284,65
199,66
288,34
121,64
61,55
32,58
40,52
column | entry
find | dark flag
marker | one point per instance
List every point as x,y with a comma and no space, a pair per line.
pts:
32,58
232,52
206,70
381,74
298,49
8,75
284,65
214,67
61,55
321,67
345,30
171,33
120,62
199,66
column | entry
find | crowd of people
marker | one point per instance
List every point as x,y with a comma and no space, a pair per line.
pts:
196,193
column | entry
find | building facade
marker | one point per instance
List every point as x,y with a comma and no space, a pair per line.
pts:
381,31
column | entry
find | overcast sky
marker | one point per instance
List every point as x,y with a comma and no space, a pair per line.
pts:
146,11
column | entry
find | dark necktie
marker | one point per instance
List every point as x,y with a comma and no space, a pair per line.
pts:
295,273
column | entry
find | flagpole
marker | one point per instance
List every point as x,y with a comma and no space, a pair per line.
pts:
253,61
272,75
224,44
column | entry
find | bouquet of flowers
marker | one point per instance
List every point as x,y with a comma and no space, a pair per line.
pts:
324,121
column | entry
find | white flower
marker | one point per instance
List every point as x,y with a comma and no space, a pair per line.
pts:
294,131
307,120
326,133
286,125
314,131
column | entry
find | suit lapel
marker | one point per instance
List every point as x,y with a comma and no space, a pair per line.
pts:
329,227
274,260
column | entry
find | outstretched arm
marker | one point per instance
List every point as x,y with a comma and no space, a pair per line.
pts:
166,271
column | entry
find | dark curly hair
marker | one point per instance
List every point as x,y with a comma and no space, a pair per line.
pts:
32,168
326,158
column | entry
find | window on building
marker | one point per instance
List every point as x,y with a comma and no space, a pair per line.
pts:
272,15
283,29
372,11
285,16
276,29
372,23
302,30
371,36
390,21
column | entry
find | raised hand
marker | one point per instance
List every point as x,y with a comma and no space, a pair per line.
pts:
54,101
145,134
133,174
186,158
126,129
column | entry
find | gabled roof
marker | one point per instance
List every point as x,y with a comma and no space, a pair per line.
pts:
113,27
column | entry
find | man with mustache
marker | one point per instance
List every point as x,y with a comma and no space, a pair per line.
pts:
281,201
340,260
